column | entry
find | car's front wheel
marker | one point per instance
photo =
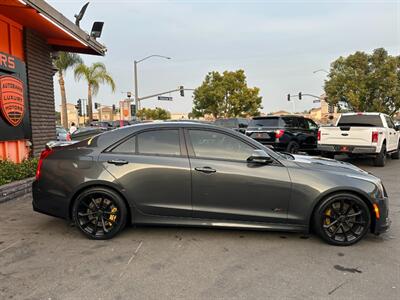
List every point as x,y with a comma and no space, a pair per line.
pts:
342,219
99,213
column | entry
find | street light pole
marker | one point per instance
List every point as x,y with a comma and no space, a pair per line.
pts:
136,87
135,63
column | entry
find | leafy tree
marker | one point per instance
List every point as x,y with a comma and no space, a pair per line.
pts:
226,95
366,82
58,117
153,114
63,62
94,75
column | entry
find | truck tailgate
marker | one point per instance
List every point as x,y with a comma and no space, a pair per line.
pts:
357,136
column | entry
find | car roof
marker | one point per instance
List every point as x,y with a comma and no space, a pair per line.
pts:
281,116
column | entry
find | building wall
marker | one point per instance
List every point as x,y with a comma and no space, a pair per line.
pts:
40,90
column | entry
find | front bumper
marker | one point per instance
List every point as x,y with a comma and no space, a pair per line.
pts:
348,149
383,223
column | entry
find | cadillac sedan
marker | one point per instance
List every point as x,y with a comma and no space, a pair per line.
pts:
192,174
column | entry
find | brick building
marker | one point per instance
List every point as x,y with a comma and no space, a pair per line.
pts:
31,33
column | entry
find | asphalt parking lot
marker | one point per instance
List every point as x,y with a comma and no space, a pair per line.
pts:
45,258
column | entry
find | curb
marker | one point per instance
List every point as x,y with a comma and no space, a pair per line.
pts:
16,189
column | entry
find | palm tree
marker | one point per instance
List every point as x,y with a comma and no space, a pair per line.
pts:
94,75
64,61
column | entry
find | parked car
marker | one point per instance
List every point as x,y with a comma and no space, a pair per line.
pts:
371,134
183,173
117,123
102,124
238,124
285,133
62,134
83,133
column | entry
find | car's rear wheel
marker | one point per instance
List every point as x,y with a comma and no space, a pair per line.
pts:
396,155
342,219
380,159
293,147
99,213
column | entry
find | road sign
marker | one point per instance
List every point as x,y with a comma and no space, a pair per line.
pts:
316,101
164,98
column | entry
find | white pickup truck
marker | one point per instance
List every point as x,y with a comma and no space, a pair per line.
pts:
371,134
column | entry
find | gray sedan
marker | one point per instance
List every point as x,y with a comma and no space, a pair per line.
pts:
191,174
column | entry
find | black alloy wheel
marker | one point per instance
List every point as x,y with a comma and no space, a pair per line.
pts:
342,219
99,213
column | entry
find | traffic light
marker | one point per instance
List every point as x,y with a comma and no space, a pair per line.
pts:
288,97
133,110
300,95
182,91
113,108
79,107
96,105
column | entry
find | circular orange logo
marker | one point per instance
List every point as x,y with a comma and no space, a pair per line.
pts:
12,99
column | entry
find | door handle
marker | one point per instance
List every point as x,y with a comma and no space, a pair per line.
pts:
206,170
117,162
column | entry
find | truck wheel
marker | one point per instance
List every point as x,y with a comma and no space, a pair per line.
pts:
380,159
293,147
396,155
328,155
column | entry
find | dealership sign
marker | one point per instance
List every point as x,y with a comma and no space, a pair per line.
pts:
14,115
12,99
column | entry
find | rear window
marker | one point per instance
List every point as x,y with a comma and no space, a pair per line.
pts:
265,122
360,121
227,123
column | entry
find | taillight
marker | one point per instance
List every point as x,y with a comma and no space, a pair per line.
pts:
279,133
68,138
45,153
374,136
319,135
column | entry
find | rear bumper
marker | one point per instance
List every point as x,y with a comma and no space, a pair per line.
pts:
383,223
349,149
49,203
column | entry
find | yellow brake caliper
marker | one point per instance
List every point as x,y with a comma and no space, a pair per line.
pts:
328,220
113,215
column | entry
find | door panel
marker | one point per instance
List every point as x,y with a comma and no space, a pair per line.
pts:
225,186
156,185
240,191
154,172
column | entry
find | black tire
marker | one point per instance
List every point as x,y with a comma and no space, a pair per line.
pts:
342,219
330,155
396,155
293,147
99,213
380,159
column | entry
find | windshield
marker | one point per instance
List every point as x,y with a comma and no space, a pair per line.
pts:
360,121
264,122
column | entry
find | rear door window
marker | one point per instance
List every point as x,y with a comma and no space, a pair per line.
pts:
128,146
290,122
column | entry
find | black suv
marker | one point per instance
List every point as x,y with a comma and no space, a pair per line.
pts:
285,133
237,124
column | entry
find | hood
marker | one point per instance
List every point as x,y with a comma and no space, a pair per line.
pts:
327,164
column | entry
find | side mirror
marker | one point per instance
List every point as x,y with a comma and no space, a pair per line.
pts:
397,127
260,157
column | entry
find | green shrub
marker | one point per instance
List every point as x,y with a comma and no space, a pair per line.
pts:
10,171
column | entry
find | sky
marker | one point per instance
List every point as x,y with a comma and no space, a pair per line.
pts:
277,43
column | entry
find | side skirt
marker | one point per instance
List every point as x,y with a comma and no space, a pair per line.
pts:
140,219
